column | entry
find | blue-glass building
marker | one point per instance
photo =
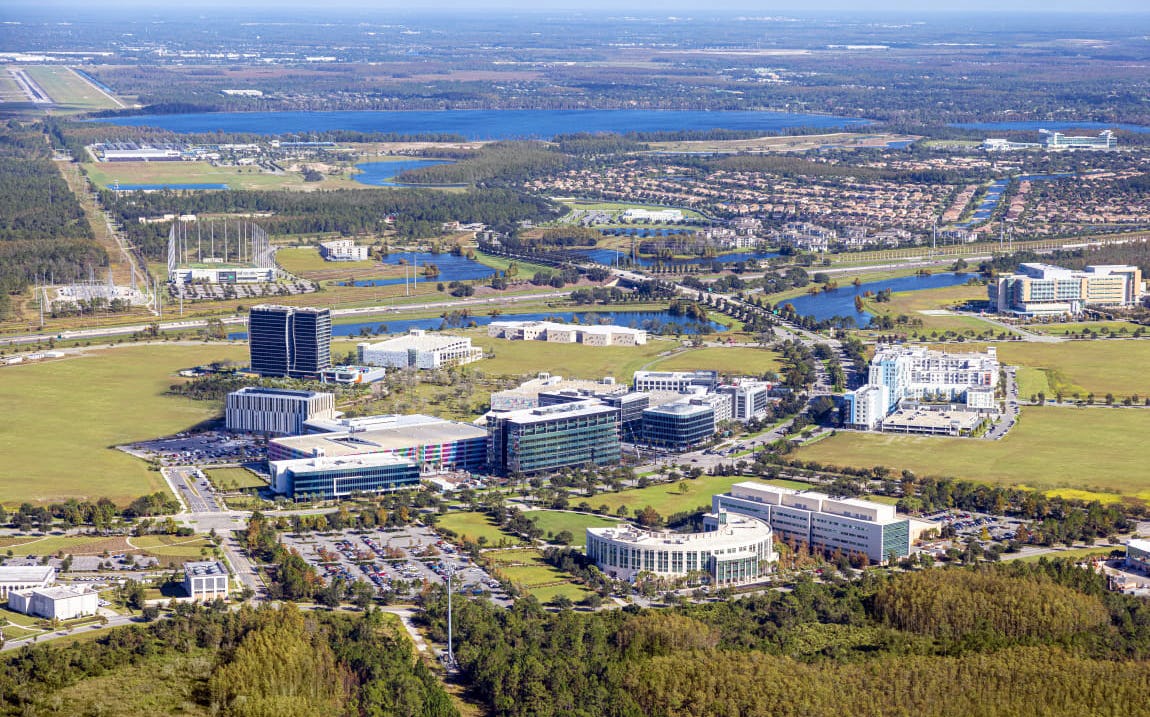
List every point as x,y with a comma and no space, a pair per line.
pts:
322,478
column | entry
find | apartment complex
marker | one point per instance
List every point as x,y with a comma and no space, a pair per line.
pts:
589,335
849,525
421,350
275,410
1044,290
734,549
289,341
343,250
553,437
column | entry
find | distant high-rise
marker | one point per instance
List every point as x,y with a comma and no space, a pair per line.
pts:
289,341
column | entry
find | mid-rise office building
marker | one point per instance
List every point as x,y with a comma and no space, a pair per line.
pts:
25,577
527,394
552,332
420,349
343,250
55,603
679,381
1105,140
289,341
433,444
849,525
548,438
679,426
1044,290
733,550
328,478
630,405
206,580
276,410
749,398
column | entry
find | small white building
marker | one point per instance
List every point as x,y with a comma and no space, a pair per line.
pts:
55,603
343,250
668,216
556,333
21,577
352,374
419,349
205,580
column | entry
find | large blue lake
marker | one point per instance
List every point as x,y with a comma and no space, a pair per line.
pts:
1035,125
841,301
485,124
383,174
451,268
653,321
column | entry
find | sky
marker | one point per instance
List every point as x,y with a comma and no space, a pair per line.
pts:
669,7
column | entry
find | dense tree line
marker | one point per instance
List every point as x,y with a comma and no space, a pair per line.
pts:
268,661
502,161
43,229
414,213
824,648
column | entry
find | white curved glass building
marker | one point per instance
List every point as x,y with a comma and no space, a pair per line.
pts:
733,549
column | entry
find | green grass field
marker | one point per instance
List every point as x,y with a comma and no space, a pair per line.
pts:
234,478
1101,450
473,526
68,90
528,570
1071,554
1080,326
553,522
912,303
742,360
106,174
1100,367
667,499
526,358
301,260
73,411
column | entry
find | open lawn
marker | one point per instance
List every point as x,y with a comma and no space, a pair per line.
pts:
1077,327
1071,554
527,569
523,268
73,411
912,303
306,261
742,360
166,548
234,478
69,91
667,499
106,174
1096,449
473,526
1098,367
522,358
618,207
553,522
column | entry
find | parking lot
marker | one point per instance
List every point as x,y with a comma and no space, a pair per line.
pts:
396,560
206,448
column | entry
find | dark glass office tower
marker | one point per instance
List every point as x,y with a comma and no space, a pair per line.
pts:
289,341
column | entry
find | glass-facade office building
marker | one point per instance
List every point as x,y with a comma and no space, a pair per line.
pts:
678,426
334,478
288,341
546,439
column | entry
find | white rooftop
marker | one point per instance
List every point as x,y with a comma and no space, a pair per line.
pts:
735,533
418,340
590,407
26,573
321,463
61,592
